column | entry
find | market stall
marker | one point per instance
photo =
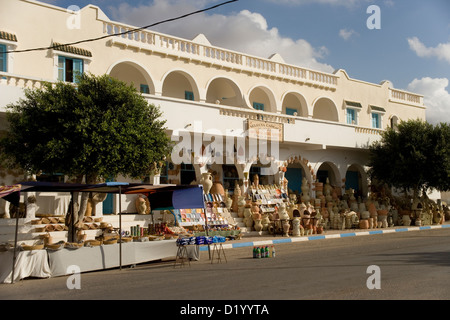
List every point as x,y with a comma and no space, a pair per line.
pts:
102,253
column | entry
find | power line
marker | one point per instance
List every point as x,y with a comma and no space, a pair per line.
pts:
125,32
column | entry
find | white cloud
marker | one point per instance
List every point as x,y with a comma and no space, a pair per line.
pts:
347,3
244,31
347,34
436,97
441,51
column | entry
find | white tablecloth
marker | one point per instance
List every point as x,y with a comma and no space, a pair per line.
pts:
28,264
107,256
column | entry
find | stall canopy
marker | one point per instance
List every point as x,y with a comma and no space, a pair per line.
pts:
11,193
160,196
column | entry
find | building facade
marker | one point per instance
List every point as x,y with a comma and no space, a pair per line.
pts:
218,99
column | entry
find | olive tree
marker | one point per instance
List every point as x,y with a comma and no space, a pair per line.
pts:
97,129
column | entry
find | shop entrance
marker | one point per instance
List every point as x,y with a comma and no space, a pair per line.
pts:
187,174
294,175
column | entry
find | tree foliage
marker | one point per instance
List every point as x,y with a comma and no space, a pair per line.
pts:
414,156
100,128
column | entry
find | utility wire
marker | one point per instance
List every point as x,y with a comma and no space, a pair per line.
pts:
125,32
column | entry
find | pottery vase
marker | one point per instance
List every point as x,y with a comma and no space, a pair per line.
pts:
286,227
258,225
265,221
406,220
364,224
207,182
296,227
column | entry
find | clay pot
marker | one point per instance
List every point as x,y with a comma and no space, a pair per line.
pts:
258,225
364,224
207,182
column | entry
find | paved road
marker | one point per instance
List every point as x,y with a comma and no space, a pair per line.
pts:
412,265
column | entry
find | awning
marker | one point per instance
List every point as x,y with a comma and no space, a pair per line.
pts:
353,104
378,109
11,193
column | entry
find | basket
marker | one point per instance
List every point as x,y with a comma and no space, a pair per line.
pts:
38,246
56,246
73,245
39,229
98,219
88,219
59,227
45,221
84,226
155,238
61,220
105,225
36,221
92,243
110,241
127,239
94,226
49,228
53,220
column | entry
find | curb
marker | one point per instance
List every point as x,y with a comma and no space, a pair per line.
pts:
323,236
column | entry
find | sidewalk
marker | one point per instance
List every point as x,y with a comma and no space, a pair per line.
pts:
253,239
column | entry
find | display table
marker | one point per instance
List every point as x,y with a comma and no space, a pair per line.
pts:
28,264
107,256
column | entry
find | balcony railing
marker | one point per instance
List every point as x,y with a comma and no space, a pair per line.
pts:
210,54
405,97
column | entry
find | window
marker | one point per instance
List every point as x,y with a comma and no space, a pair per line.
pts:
69,69
291,111
376,120
3,58
145,89
258,106
189,95
351,116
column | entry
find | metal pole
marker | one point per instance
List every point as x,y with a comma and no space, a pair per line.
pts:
120,227
15,245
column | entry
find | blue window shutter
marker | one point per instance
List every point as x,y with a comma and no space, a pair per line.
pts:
77,69
189,95
145,88
61,68
258,106
290,111
351,116
3,58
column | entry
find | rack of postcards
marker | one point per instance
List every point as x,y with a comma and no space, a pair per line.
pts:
267,196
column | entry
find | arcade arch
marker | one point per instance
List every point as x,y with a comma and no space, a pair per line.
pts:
325,109
133,73
181,85
225,92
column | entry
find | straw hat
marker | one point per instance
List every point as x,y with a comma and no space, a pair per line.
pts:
110,241
92,243
73,245
56,246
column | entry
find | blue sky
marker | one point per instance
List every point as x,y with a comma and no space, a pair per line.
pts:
411,48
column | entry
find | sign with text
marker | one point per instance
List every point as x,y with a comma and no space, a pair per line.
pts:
265,130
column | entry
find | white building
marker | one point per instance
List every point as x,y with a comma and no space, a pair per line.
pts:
326,120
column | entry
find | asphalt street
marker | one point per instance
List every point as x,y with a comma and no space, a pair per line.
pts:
395,266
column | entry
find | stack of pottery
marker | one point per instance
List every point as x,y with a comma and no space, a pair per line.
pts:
382,218
296,232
